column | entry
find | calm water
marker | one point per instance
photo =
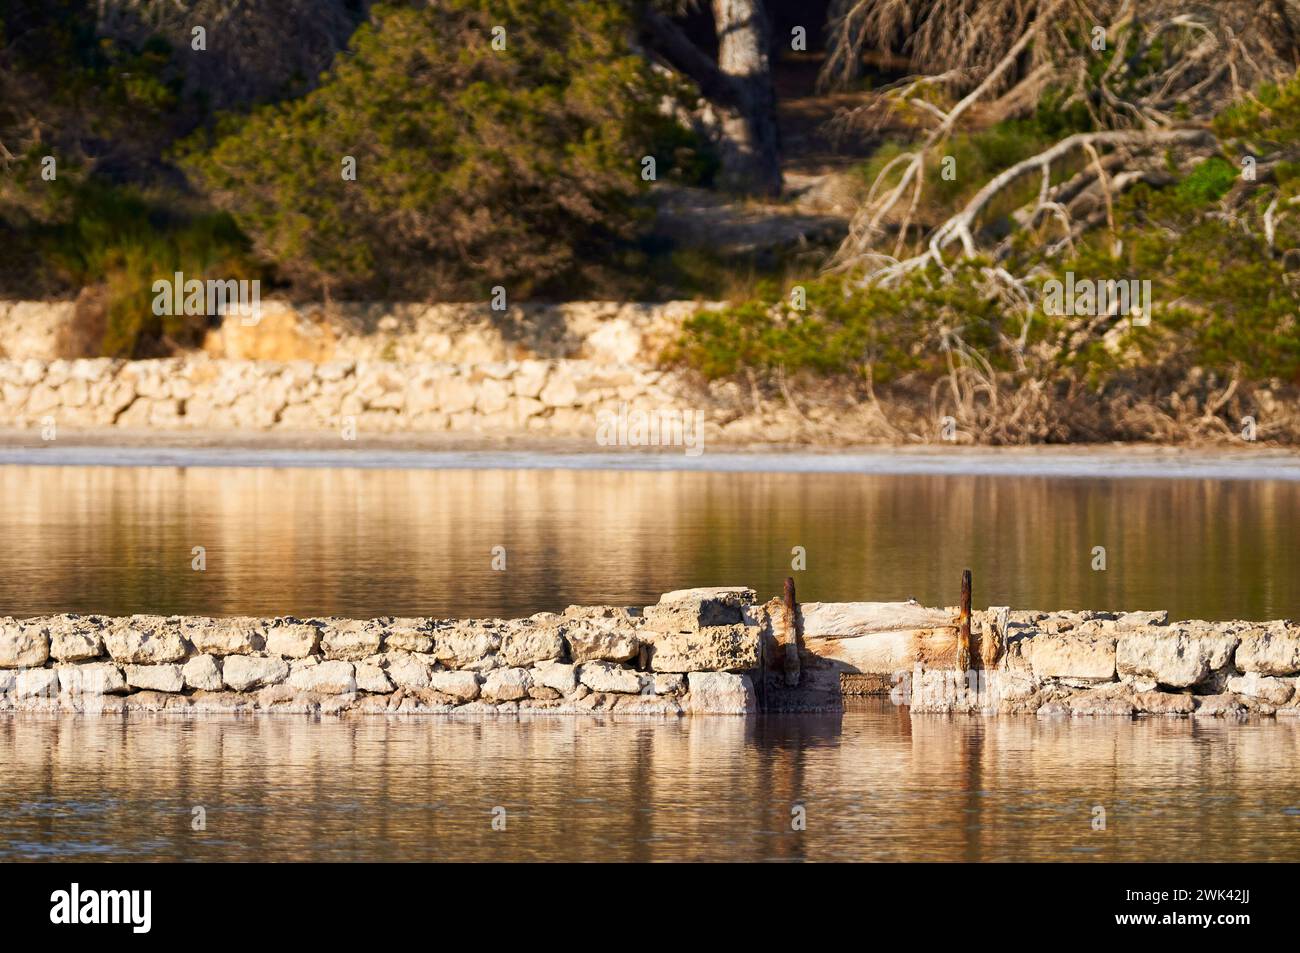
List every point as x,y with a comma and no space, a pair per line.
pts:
366,542
876,785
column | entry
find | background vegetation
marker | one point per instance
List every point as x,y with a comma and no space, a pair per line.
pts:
1011,142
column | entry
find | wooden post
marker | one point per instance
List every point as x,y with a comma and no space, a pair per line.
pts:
963,624
791,635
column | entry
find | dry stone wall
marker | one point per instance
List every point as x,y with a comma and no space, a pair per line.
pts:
606,332
692,653
1126,664
695,651
547,397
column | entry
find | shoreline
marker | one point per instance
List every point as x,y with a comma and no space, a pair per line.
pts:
213,448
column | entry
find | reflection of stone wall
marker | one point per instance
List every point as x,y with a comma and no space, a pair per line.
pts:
552,397
689,653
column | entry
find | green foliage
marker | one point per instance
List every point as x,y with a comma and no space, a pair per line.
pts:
1223,301
124,240
1206,183
91,102
475,167
105,110
850,330
978,156
1271,116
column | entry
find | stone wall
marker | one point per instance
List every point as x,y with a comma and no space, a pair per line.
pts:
548,397
599,331
690,653
1137,663
450,333
696,651
34,329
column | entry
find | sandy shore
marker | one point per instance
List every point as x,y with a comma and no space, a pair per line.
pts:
315,449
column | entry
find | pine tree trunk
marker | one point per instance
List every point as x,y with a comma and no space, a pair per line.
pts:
751,144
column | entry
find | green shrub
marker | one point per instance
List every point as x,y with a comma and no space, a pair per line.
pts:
1223,301
475,166
845,329
124,241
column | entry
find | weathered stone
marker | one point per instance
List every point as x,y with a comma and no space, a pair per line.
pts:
615,616
1178,657
23,645
229,636
74,639
407,671
462,686
371,678
350,641
407,635
156,678
202,672
720,693
91,678
287,699
328,678
506,684
560,389
144,640
1275,691
589,643
221,702
689,610
713,649
1218,706
1164,703
293,641
1071,656
646,705
244,672
1138,619
151,701
1100,701
523,644
1271,651
557,675
36,682
850,620
608,677
465,643
669,684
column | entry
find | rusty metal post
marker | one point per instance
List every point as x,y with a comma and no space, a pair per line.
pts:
963,624
791,635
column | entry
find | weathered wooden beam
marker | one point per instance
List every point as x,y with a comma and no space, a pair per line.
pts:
791,623
963,624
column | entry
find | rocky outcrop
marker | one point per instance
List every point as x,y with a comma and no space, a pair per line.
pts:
588,659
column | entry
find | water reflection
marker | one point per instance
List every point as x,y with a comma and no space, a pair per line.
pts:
418,542
876,785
